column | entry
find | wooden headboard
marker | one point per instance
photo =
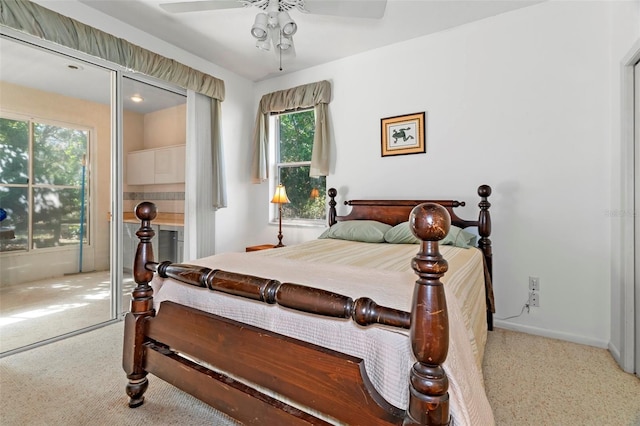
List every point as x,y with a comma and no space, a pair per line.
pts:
394,212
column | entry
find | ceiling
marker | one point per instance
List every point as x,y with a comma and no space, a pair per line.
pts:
223,36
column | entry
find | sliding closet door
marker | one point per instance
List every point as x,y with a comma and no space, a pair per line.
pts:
55,150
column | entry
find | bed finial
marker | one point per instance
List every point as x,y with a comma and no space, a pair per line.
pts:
430,222
429,396
484,191
146,211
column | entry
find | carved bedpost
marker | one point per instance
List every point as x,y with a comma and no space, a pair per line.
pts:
429,397
141,308
332,192
484,229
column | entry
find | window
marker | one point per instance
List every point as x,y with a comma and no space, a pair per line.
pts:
43,185
293,133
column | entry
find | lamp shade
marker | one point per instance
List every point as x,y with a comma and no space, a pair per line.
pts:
280,197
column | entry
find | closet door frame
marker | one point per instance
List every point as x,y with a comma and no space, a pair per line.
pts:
636,215
628,238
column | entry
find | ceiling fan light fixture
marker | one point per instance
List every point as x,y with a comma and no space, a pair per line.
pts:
272,19
259,28
287,25
283,42
264,44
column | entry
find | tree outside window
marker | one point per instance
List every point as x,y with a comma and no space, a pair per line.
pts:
43,184
294,132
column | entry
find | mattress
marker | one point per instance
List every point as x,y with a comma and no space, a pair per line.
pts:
381,272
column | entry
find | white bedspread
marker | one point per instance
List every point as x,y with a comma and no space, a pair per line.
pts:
386,351
465,277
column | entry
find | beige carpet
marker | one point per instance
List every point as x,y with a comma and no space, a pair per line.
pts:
530,381
80,381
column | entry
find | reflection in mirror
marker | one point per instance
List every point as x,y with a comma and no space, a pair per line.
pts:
55,139
154,137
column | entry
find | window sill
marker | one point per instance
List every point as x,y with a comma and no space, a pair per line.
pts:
44,250
301,223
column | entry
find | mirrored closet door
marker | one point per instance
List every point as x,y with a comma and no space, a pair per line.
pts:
55,180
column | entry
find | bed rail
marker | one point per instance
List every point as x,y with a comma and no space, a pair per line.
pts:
363,311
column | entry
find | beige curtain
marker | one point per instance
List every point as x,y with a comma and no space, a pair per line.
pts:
315,95
200,219
218,173
43,23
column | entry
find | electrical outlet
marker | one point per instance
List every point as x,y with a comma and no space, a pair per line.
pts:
534,299
534,284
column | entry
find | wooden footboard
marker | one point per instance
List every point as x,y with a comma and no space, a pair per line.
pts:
234,360
330,382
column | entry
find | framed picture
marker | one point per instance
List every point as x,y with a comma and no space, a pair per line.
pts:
403,134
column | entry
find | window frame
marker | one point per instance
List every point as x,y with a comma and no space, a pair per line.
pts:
31,185
274,139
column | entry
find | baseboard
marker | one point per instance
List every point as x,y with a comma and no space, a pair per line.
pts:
615,353
569,337
629,367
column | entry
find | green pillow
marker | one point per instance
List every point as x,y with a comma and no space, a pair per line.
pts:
401,234
459,237
366,231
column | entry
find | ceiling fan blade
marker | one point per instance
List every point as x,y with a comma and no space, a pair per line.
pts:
199,6
373,9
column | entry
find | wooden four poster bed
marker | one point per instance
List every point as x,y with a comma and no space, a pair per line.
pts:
260,370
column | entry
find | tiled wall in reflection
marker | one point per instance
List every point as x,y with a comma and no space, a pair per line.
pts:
166,202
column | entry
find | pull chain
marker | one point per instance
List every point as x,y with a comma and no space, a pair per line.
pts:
280,50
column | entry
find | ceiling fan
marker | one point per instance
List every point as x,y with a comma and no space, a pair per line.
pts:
274,26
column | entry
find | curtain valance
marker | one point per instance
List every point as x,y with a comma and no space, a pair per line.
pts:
317,95
43,23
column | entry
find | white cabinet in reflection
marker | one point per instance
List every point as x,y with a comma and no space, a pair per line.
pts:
156,166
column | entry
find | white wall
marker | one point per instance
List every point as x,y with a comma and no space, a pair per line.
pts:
522,102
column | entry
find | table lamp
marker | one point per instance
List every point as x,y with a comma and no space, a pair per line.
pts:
280,198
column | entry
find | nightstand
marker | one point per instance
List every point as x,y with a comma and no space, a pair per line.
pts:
261,247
